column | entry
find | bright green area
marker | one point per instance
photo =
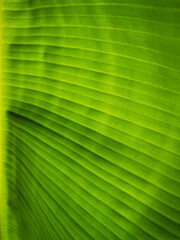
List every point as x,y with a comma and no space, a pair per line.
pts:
91,106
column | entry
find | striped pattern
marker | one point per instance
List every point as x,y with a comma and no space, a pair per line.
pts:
91,120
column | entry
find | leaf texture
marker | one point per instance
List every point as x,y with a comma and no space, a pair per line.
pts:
91,121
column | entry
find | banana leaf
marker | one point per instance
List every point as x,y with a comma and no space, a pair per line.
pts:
90,120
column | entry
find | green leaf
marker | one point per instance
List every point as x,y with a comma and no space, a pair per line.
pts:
91,116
